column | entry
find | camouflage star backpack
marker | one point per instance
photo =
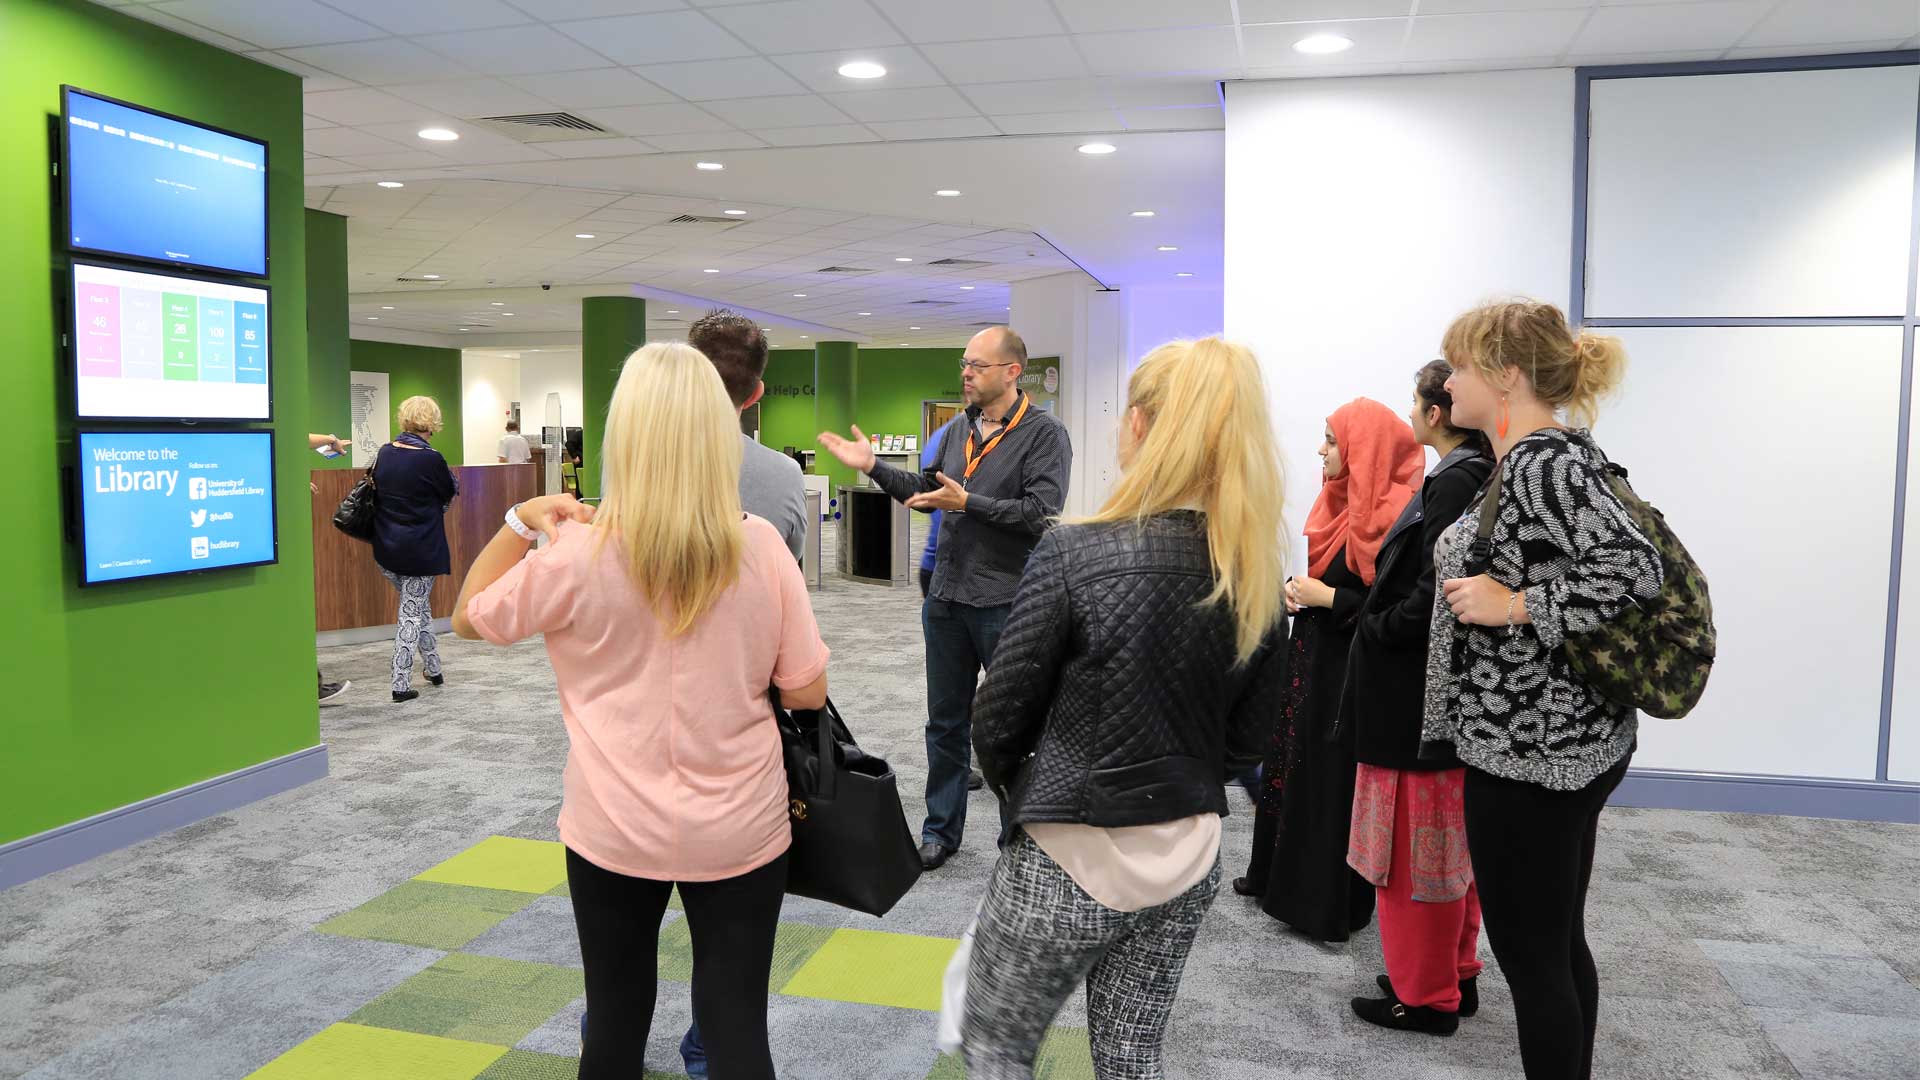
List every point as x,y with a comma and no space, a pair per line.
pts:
1654,656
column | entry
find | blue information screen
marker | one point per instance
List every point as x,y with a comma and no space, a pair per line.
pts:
150,187
156,503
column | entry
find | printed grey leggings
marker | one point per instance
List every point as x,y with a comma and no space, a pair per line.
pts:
415,629
1039,936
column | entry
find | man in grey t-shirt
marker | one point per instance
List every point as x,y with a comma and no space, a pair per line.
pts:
514,448
770,484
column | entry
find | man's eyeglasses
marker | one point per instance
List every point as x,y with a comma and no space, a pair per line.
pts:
977,366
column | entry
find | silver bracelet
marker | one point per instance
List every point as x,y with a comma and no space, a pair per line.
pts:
1512,599
518,526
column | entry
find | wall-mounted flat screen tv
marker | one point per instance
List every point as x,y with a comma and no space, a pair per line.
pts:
154,503
152,346
145,185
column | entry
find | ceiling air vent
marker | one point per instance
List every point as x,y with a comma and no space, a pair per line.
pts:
844,270
942,303
544,127
405,280
959,262
702,219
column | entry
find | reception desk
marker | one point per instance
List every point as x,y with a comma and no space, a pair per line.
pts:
349,592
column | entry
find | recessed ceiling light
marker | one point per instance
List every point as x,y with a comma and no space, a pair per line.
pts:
1097,148
862,69
1166,247
506,313
673,311
799,296
430,277
863,312
913,328
947,193
906,343
709,270
391,183
966,286
1143,213
386,307
901,258
466,329
497,303
734,213
373,318
583,236
1183,273
708,166
1322,44
438,134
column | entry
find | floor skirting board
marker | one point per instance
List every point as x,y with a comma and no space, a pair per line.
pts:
56,849
1854,800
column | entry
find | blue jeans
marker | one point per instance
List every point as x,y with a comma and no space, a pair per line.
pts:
960,642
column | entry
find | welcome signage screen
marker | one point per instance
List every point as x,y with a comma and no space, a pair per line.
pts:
162,347
151,186
155,503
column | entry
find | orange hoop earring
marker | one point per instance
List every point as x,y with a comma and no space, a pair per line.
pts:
1501,424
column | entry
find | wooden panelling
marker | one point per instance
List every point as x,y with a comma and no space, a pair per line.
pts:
348,590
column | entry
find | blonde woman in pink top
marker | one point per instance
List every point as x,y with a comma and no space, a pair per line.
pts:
667,615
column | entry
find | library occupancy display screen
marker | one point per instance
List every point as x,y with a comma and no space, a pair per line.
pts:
155,503
151,187
163,347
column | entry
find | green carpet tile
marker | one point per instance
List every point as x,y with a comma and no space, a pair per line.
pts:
475,998
429,914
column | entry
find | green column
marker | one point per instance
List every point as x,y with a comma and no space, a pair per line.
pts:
328,352
611,327
833,372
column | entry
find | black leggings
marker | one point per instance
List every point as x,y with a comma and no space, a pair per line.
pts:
1532,852
732,923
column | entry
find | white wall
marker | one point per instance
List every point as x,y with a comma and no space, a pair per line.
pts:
1068,316
1903,749
1364,214
544,372
1157,314
488,383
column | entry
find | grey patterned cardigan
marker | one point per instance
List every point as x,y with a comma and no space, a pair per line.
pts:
1507,700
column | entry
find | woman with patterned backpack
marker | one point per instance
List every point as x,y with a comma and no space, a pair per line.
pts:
1558,556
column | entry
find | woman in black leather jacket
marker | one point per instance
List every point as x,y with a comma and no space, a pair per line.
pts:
1139,667
1429,911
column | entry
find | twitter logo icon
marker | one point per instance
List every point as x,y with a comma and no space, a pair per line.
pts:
198,517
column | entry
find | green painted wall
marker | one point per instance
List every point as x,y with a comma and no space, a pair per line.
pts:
891,384
611,327
328,351
786,413
835,364
418,369
127,691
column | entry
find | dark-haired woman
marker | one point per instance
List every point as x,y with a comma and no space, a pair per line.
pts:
1409,828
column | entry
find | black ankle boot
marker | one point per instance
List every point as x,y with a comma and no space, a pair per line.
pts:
1469,993
1388,1013
405,695
437,680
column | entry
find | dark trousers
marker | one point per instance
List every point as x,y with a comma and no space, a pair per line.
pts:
926,582
732,922
960,642
1532,854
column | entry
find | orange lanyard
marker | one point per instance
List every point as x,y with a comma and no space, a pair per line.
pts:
973,459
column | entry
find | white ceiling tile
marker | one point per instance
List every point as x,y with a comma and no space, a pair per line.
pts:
708,140
644,120
1089,16
1210,50
312,123
711,80
1195,118
476,146
1051,95
798,110
377,63
272,26
597,148
1014,60
1813,22
1054,123
820,70
1468,7
1272,11
1160,93
975,20
1671,27
1492,37
364,105
808,25
657,38
313,79
819,136
921,103
1375,41
964,127
1435,67
398,159
431,16
344,142
1829,48
562,10
514,50
472,98
192,30
590,89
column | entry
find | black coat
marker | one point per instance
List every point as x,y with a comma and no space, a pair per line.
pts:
413,489
1113,698
1385,696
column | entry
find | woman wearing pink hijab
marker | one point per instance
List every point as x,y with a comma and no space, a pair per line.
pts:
1299,867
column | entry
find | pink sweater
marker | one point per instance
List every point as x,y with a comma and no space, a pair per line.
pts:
674,770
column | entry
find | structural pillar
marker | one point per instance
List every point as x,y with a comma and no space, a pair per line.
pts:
611,328
833,380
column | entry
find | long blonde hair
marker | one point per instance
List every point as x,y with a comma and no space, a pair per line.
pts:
1209,442
1572,371
672,499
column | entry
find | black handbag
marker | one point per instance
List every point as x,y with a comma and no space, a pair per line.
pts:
356,512
851,843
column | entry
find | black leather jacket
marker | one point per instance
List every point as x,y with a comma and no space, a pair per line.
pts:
1113,698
